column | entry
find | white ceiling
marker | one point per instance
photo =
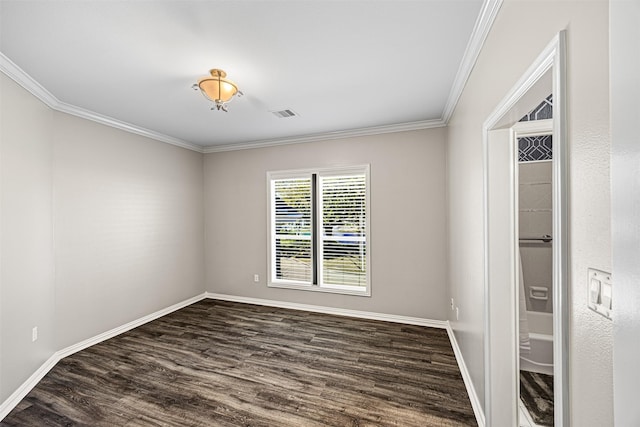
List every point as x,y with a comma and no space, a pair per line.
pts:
341,65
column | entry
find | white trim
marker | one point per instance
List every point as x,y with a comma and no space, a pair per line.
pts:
17,74
485,20
331,289
15,398
418,321
533,128
552,58
561,260
540,66
63,107
466,377
316,210
327,136
11,70
127,327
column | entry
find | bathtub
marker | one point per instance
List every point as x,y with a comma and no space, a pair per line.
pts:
541,336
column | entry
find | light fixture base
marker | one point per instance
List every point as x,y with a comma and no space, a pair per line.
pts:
216,72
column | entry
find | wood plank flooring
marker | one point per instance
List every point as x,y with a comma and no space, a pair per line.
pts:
218,363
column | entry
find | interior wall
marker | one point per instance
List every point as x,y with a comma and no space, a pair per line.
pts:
26,236
519,34
129,227
98,227
408,221
625,181
535,220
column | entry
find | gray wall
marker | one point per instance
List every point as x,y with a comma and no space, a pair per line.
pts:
129,228
408,241
520,33
535,219
127,216
625,177
26,236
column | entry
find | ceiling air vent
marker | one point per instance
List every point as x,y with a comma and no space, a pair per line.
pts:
283,114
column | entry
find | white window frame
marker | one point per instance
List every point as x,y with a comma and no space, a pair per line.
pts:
271,238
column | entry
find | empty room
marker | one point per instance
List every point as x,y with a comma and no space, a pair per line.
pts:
319,213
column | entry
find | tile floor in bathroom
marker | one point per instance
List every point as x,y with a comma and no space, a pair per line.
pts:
523,415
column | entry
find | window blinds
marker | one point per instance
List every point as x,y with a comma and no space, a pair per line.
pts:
318,229
343,244
292,226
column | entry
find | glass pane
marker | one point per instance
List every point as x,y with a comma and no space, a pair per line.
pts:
344,224
293,260
292,206
344,205
344,263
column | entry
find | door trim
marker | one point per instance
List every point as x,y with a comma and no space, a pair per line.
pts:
551,59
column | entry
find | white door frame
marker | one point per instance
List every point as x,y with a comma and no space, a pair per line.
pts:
552,58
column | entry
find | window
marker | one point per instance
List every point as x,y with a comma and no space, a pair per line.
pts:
318,230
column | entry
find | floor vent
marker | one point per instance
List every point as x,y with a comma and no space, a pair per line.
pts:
283,114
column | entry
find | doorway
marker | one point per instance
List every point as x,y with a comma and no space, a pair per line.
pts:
533,139
502,245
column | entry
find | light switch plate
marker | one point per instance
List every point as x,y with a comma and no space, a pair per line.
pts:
599,289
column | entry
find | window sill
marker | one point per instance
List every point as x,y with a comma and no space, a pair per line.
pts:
313,288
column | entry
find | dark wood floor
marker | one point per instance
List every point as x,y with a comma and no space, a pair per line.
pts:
536,392
226,364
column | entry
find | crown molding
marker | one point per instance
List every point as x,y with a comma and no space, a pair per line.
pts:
485,20
63,107
14,72
479,34
374,130
17,74
481,29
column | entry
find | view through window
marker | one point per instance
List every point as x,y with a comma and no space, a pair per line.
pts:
319,229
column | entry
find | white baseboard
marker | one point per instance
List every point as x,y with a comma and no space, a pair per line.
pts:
127,327
15,398
466,377
442,324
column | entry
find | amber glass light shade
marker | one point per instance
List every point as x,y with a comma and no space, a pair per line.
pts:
217,88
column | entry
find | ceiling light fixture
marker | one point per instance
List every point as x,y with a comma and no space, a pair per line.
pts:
218,89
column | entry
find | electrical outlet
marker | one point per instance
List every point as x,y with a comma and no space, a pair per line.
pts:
34,334
457,314
256,278
452,304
